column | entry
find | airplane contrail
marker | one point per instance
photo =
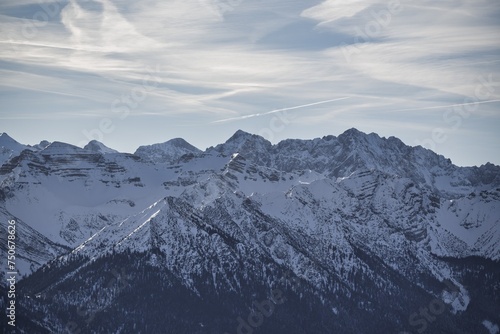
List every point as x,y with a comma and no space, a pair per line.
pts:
278,110
448,106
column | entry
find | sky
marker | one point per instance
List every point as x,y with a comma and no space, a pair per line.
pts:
131,73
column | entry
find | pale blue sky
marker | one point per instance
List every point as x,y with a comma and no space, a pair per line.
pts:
131,73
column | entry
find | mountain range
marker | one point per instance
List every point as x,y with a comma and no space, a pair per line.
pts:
353,233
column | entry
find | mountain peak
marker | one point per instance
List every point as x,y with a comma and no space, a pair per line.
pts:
43,144
167,152
353,132
240,135
57,148
4,135
8,141
181,143
9,147
354,136
98,147
250,146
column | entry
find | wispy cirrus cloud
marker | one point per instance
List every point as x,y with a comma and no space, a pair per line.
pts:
217,65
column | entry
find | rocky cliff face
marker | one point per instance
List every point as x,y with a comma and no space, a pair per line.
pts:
357,233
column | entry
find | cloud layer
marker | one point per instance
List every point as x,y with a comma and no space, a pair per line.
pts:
206,66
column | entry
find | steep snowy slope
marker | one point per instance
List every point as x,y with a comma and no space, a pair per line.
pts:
32,248
469,226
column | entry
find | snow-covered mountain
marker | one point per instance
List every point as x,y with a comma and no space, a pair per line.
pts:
360,233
